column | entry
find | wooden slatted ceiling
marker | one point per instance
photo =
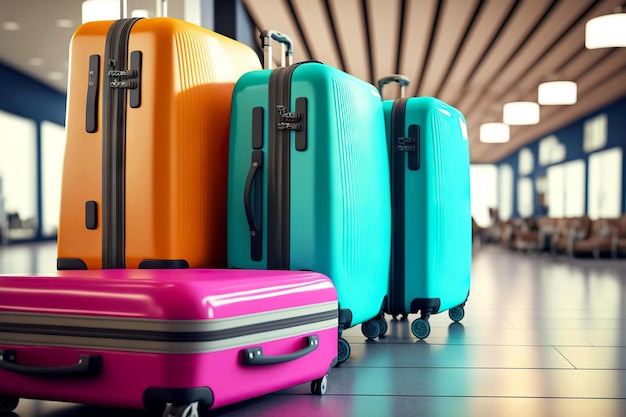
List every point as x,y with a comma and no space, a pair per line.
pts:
474,54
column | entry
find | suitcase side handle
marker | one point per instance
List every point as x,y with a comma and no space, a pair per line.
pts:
286,46
87,365
254,356
394,78
256,236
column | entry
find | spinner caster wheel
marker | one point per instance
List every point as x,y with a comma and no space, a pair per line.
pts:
8,404
420,328
456,313
382,323
343,351
181,410
319,386
370,329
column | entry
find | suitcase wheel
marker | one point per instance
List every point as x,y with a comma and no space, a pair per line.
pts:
456,313
8,404
181,410
420,328
382,323
370,329
343,351
319,386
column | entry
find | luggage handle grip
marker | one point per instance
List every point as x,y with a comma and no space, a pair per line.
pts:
87,365
254,356
286,47
256,248
394,78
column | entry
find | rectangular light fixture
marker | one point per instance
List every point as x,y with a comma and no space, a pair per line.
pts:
520,113
557,93
495,133
607,31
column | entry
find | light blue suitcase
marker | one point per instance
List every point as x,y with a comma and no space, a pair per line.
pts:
430,190
309,182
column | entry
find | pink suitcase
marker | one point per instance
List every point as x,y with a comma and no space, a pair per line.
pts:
177,340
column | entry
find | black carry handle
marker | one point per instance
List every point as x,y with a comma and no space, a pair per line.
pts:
254,356
394,78
285,43
87,365
256,236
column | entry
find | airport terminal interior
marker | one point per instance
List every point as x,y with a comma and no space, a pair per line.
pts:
543,335
544,330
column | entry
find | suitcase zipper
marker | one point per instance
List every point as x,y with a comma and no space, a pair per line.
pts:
114,145
280,124
396,161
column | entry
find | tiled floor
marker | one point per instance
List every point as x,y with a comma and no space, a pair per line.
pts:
542,336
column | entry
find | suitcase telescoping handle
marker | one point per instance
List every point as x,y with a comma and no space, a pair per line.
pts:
161,8
86,365
286,48
394,78
254,355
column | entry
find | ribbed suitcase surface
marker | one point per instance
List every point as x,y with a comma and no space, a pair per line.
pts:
326,207
431,249
135,338
147,142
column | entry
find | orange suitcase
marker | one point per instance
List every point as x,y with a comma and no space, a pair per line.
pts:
145,168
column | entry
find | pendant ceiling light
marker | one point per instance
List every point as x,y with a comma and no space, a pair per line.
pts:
607,31
521,113
557,93
494,133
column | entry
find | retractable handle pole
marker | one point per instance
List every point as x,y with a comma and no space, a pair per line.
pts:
395,78
286,48
161,8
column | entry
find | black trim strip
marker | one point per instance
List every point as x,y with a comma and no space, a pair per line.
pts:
165,336
70,264
396,162
302,133
136,61
279,170
257,127
114,147
163,264
414,156
93,90
91,215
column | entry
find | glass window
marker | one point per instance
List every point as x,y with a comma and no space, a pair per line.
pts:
52,151
604,199
525,197
526,161
18,169
484,192
595,133
505,192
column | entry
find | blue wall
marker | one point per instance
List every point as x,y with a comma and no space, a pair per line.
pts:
28,98
571,137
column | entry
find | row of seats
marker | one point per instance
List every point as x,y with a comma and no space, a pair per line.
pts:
574,236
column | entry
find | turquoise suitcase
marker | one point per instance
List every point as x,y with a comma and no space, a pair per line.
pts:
430,189
309,182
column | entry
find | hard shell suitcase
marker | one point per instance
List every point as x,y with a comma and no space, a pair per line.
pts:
181,339
430,193
147,142
309,182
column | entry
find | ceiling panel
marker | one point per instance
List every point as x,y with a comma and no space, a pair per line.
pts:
474,54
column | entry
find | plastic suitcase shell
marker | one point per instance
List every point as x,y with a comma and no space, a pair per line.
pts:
135,338
147,142
431,245
317,197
